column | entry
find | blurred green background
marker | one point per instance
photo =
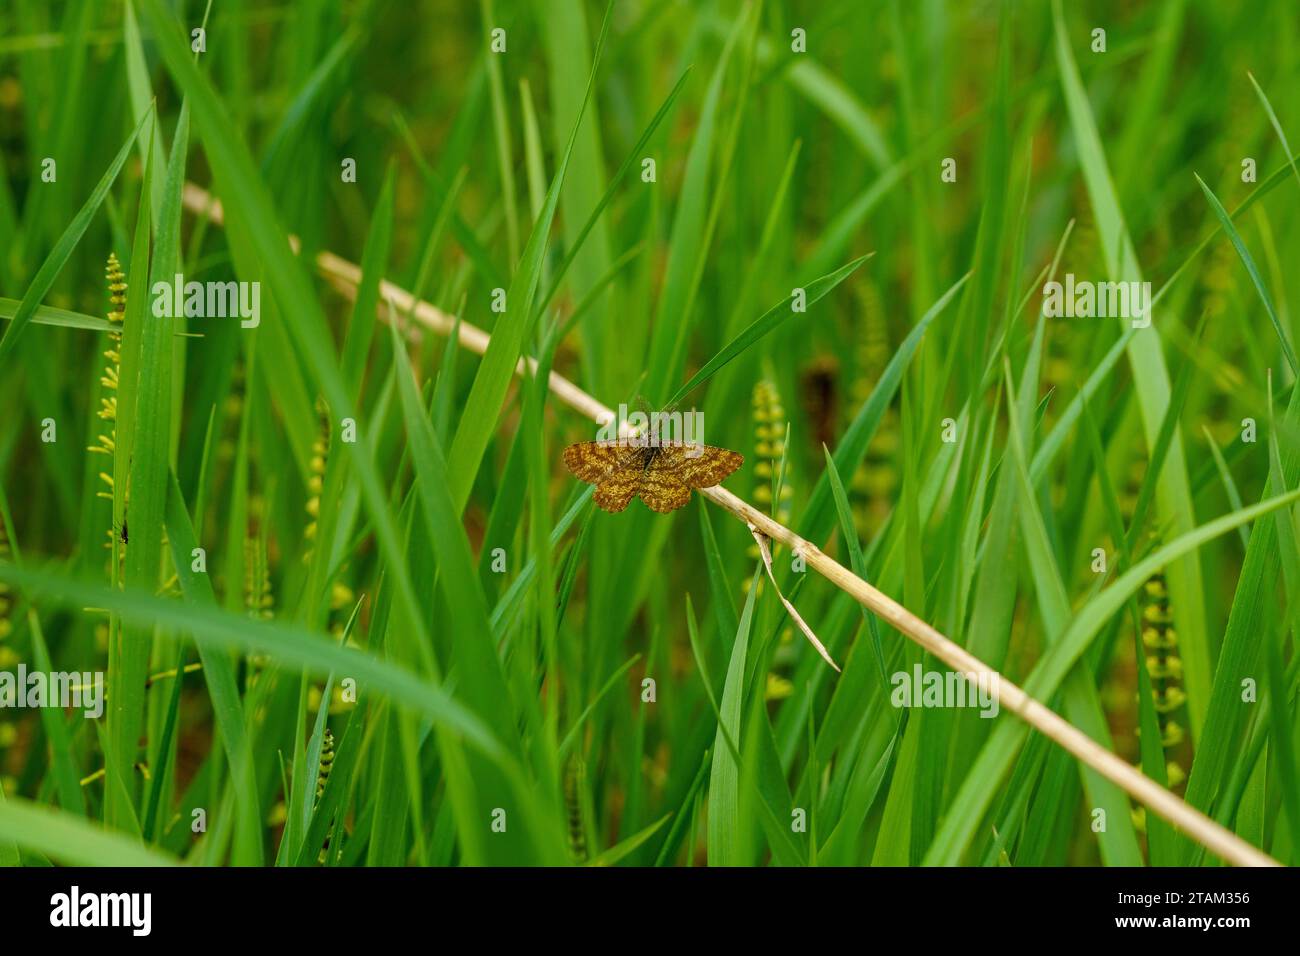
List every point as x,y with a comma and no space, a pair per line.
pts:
787,139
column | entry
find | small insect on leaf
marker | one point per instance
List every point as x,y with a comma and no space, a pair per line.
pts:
661,474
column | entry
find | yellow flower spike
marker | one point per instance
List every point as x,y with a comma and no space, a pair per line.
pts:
777,688
258,600
340,596
107,441
316,479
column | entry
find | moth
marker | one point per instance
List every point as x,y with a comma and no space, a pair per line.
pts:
662,474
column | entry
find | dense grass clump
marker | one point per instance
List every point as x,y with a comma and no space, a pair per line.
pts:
353,609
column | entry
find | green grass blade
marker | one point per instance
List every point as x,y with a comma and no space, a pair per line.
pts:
724,779
1252,270
70,839
62,250
995,759
1150,381
764,324
508,337
46,315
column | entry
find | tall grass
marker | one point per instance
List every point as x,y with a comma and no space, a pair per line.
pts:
352,545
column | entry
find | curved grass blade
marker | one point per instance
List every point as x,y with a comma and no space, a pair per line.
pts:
374,259
66,779
1277,126
819,515
978,789
72,840
248,201
483,405
1150,380
1251,269
291,645
62,250
633,157
765,323
688,238
46,315
724,780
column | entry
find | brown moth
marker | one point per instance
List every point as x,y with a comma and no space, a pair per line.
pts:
662,474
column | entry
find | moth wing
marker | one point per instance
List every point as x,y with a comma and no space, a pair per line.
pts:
703,466
662,489
615,490
592,461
